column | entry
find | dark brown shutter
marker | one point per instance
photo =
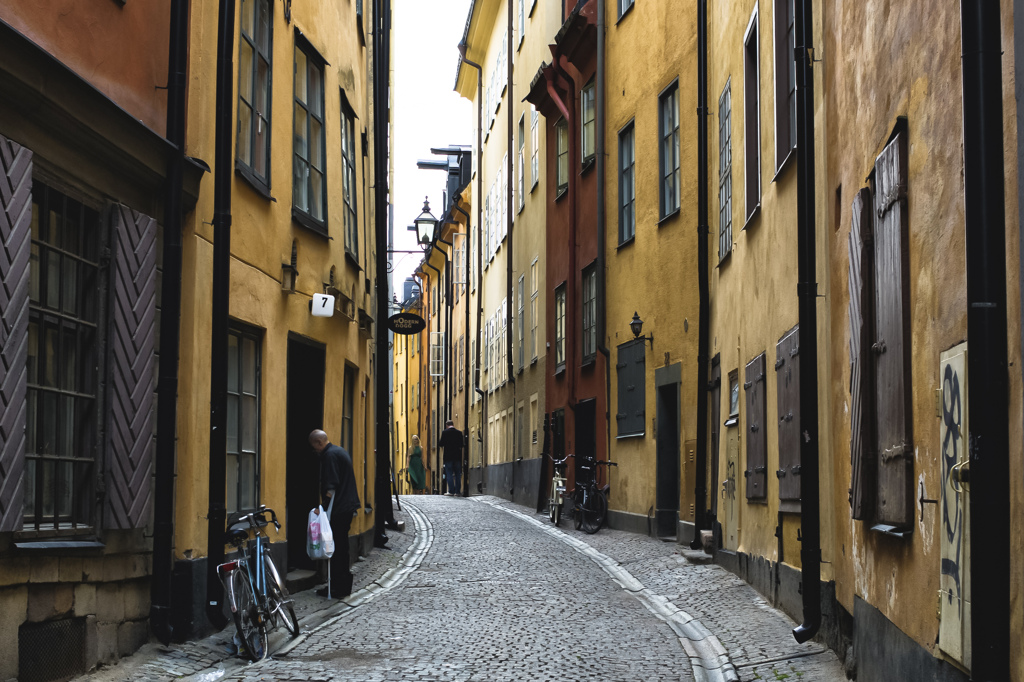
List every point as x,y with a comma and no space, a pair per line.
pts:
757,456
715,390
862,298
631,371
15,241
787,382
891,347
132,370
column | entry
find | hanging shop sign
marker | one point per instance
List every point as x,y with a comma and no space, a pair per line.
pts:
406,323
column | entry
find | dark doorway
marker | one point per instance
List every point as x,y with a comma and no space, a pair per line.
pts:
586,430
667,449
306,367
716,431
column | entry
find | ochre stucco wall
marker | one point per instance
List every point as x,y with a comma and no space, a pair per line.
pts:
655,274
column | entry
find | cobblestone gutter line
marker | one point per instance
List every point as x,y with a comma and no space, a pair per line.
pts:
709,658
394,577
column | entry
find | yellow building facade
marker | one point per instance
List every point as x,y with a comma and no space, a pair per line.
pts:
302,224
650,201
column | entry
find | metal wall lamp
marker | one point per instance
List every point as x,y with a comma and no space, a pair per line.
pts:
636,325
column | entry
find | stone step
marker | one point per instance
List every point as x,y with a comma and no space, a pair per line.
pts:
299,580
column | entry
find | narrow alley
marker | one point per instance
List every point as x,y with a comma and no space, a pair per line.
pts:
492,591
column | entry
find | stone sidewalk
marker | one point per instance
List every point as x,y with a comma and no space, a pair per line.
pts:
210,658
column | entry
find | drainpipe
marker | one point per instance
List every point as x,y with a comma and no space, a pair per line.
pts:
987,392
170,330
807,291
479,256
465,468
568,111
703,322
602,227
221,285
509,222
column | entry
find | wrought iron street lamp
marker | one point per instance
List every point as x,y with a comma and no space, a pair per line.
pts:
425,224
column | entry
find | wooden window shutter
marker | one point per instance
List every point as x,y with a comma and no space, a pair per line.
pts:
757,459
132,370
714,435
631,373
891,347
787,382
15,240
861,283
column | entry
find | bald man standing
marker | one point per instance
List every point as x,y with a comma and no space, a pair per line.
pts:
337,483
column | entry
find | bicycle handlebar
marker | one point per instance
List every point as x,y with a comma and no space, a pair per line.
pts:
560,461
262,514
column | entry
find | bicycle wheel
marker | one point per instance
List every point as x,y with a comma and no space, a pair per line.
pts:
251,628
279,602
555,512
594,511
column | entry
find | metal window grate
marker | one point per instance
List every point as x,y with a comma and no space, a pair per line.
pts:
51,651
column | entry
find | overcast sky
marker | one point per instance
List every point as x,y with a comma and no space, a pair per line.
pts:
427,111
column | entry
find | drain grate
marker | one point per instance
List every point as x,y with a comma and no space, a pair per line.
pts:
51,651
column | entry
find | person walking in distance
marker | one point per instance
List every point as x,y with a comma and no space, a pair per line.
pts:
452,443
337,485
417,474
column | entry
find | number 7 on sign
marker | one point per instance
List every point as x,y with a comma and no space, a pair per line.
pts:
322,305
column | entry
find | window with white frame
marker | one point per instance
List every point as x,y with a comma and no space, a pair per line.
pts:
668,152
521,320
534,146
534,298
588,111
437,354
589,310
624,6
309,183
348,177
627,183
522,22
560,328
725,172
521,185
562,137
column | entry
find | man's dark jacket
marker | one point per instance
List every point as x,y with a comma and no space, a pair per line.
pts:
336,474
452,442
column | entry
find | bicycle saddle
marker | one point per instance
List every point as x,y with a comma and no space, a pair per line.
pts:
237,533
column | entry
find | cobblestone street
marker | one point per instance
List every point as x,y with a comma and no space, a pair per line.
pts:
481,589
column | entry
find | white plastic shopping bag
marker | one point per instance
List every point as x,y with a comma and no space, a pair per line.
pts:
319,538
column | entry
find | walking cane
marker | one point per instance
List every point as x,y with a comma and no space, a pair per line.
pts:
329,508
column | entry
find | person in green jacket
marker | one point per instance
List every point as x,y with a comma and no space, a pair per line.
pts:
417,474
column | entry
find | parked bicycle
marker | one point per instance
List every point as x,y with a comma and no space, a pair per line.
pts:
258,598
590,506
557,496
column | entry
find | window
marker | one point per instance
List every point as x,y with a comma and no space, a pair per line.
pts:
668,153
521,186
437,354
751,119
473,379
522,21
560,328
787,387
631,374
627,184
534,316
589,313
254,69
624,6
348,177
534,146
520,320
725,173
348,408
587,115
462,362
734,397
309,194
243,420
62,378
785,80
562,137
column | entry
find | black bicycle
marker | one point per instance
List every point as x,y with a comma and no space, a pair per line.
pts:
258,598
590,506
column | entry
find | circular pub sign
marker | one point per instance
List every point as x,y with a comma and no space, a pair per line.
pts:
406,323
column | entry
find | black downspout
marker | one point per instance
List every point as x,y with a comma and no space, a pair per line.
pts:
221,286
807,290
987,392
170,330
602,227
465,463
381,113
510,223
479,256
700,492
